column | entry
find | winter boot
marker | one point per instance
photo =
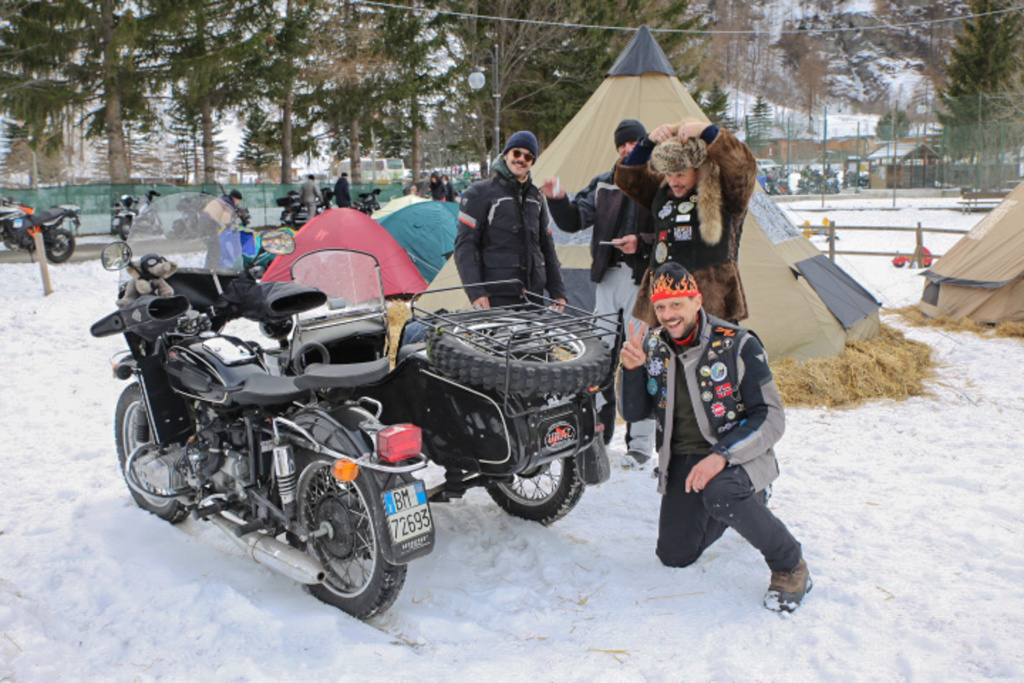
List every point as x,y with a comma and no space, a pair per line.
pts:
635,460
787,589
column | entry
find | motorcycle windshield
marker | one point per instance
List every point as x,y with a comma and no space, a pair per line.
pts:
350,279
194,230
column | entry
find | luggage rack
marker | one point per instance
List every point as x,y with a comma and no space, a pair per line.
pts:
532,331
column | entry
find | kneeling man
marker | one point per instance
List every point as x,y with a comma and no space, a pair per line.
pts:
718,415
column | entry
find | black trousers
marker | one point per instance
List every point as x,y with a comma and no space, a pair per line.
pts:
691,522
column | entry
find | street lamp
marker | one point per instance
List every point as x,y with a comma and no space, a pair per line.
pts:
477,80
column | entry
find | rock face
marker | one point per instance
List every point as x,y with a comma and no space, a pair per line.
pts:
865,52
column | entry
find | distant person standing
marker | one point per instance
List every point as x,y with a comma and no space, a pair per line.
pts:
341,191
617,266
309,193
449,190
437,188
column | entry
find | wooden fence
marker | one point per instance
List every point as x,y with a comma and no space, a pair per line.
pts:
918,257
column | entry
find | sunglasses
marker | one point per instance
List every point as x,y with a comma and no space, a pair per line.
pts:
518,153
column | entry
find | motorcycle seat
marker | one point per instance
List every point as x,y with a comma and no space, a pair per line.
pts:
268,390
343,375
41,217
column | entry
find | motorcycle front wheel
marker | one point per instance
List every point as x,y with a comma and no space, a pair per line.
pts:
132,430
542,494
345,537
60,245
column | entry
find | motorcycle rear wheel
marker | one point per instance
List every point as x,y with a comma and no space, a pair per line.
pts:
131,430
359,580
544,494
60,245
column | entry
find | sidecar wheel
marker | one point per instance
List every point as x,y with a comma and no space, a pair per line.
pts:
131,430
557,361
359,580
544,494
60,245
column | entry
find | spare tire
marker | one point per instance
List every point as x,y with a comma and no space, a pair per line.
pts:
556,360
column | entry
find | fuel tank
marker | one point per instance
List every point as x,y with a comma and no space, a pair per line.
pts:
212,367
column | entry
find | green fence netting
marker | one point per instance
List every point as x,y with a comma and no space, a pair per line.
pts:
97,200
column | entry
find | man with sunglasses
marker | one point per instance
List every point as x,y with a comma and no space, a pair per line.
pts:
504,234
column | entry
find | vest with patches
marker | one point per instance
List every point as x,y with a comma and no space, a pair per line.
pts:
677,234
717,377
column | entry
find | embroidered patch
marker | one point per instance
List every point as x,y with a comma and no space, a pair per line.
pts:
705,371
684,234
685,207
706,396
652,387
655,367
661,252
717,409
666,210
724,390
718,371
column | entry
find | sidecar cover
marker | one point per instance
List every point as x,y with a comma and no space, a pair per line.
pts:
349,229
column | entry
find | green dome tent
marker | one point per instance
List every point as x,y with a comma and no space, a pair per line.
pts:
426,230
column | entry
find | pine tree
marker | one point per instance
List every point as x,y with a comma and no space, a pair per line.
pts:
60,54
984,65
715,105
759,124
257,151
884,127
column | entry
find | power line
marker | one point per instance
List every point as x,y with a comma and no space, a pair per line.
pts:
796,31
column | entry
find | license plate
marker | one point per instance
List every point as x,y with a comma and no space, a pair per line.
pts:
407,512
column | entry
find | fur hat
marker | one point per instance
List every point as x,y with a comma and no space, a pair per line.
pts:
673,156
672,280
628,130
524,139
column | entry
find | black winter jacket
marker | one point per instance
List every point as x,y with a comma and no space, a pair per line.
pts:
613,215
504,235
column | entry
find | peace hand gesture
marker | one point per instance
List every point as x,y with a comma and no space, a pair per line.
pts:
633,355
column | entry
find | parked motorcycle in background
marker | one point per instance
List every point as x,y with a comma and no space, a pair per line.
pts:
294,213
126,210
368,202
19,223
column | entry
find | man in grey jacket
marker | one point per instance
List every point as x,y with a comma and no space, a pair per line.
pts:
719,415
310,195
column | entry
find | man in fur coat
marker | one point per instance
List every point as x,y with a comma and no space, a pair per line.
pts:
697,180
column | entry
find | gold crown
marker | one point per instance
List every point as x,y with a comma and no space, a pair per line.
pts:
666,286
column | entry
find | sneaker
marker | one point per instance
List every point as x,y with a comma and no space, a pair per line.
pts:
635,460
787,589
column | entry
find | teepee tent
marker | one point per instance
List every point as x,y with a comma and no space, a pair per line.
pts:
801,304
982,276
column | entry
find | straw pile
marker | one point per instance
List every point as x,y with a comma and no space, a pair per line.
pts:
914,316
887,366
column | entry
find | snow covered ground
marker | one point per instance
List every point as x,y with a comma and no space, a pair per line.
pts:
909,513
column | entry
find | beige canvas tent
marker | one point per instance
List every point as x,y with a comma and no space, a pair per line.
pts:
982,276
797,297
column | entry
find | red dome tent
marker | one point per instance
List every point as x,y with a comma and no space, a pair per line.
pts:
350,229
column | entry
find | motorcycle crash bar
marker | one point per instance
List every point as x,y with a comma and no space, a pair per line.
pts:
272,553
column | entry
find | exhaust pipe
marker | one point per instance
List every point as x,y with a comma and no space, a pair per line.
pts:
274,554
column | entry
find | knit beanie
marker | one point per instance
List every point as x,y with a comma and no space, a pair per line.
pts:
673,156
628,130
524,139
671,280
